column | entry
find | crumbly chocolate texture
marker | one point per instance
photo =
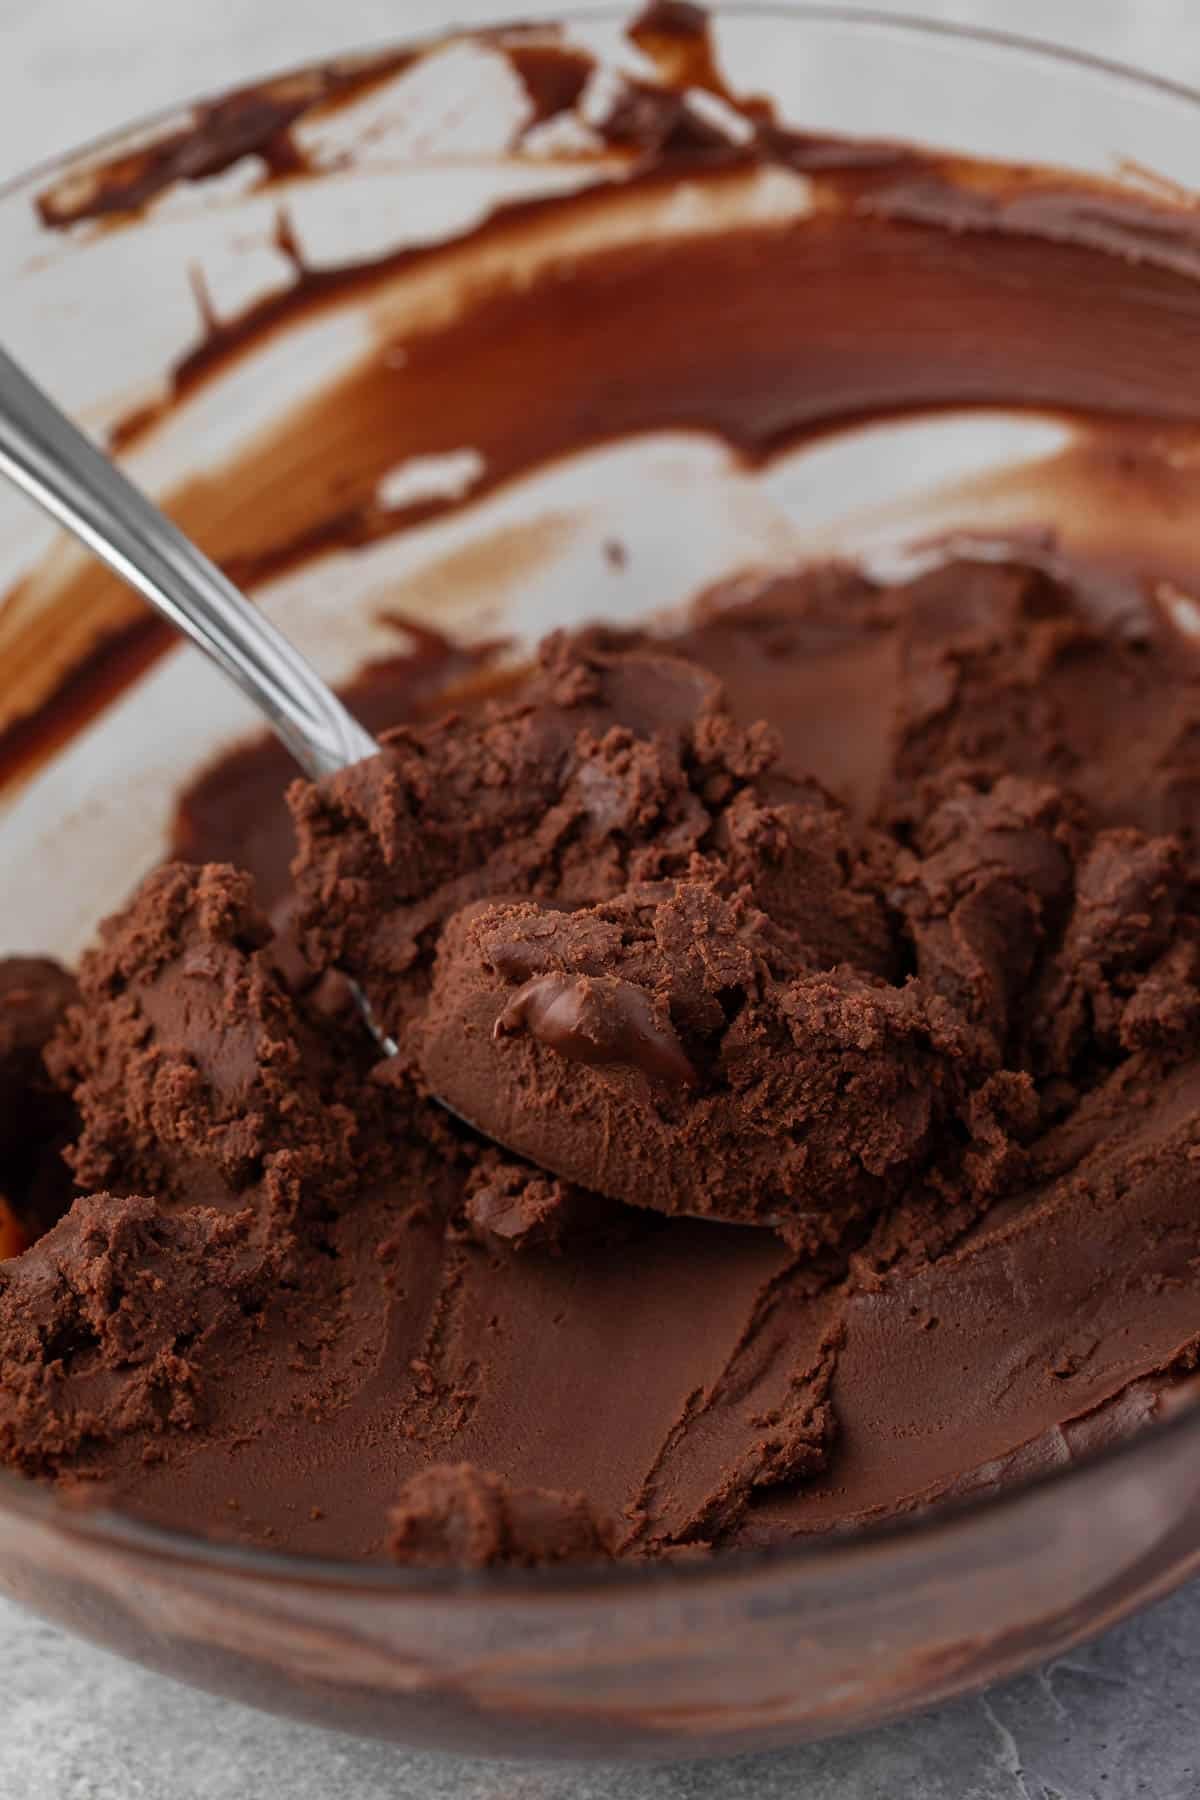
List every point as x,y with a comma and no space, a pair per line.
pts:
686,1057
120,1326
509,1204
1017,1350
457,1516
195,1071
717,996
613,771
961,1000
624,799
990,932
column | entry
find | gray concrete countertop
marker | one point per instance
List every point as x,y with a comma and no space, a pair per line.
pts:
1114,1721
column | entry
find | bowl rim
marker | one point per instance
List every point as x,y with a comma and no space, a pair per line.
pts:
790,12
69,1516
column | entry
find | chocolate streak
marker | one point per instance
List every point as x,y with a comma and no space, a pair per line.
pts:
814,281
598,1020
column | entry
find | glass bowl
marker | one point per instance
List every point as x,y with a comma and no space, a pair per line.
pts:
101,722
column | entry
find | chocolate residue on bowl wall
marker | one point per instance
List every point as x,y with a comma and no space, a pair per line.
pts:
755,316
829,963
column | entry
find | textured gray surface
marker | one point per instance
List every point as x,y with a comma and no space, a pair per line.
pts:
1114,1721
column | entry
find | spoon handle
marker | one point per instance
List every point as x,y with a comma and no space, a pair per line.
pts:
47,456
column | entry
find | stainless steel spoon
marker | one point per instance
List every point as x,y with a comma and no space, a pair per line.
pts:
47,456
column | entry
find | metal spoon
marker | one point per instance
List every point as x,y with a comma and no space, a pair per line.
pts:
47,456
52,461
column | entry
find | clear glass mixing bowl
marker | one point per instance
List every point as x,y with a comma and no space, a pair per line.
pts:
639,1661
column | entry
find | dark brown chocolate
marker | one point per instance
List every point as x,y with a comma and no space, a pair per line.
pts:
866,915
980,264
440,1317
599,1020
37,1120
460,1517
